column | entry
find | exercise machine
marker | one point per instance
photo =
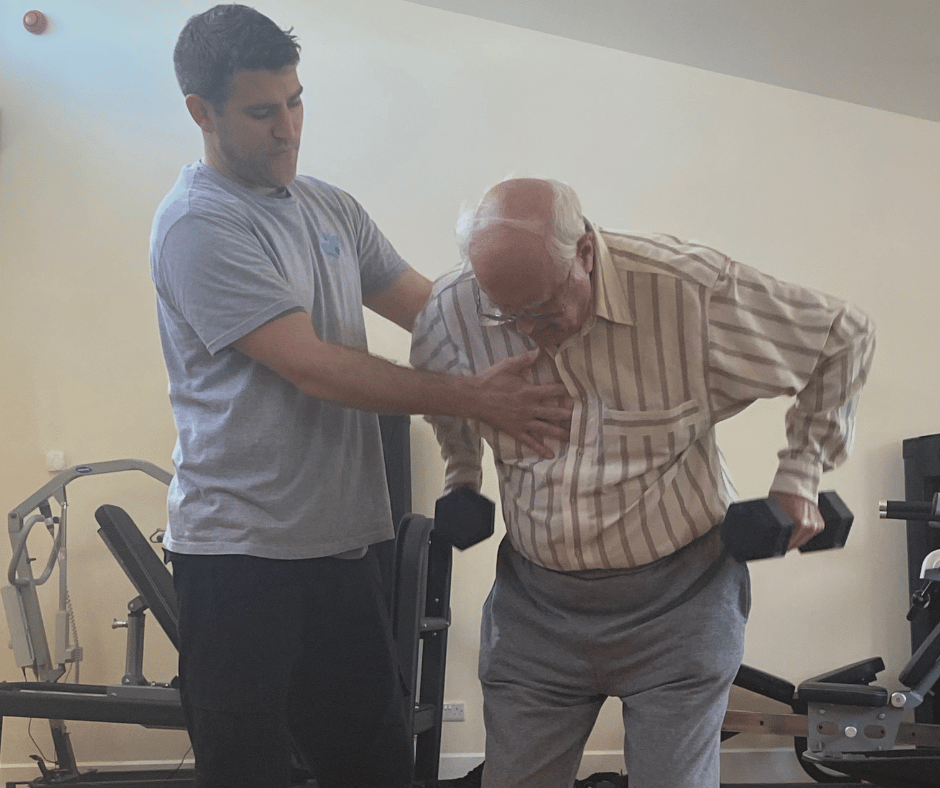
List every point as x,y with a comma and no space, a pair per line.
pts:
49,696
416,568
845,725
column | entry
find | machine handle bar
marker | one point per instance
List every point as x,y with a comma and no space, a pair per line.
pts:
911,510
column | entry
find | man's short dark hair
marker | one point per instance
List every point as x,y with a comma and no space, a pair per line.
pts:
225,39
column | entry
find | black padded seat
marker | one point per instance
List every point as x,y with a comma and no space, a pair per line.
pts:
843,694
142,565
862,672
765,684
847,686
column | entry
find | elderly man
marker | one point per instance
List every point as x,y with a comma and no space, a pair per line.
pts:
612,580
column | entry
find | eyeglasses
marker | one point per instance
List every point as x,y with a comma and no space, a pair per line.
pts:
492,312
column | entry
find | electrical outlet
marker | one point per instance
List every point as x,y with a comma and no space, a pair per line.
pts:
453,712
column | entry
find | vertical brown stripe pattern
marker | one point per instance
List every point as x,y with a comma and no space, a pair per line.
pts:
683,337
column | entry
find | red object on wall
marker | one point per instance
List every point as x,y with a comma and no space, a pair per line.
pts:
35,21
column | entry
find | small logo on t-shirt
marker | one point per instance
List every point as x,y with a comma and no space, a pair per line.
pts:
329,243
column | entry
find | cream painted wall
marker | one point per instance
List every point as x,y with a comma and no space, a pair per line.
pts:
415,110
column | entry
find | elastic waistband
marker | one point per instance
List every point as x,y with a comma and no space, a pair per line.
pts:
645,592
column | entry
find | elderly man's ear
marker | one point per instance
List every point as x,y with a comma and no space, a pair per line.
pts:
586,251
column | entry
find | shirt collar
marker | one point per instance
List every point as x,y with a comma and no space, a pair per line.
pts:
610,294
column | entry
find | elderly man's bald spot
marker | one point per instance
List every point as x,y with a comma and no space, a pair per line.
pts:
514,216
520,199
512,264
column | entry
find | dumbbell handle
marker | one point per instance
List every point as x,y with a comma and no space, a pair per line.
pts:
910,510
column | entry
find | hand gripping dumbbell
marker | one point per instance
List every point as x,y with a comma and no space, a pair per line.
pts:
464,517
761,528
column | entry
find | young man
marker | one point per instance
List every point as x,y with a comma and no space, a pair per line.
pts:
279,490
612,581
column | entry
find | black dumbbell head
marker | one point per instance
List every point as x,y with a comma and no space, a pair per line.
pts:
759,528
464,517
838,519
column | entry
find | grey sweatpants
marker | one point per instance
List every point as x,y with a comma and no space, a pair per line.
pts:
667,639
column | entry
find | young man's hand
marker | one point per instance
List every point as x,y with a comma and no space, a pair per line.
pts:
528,412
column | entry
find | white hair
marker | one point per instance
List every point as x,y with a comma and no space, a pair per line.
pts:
561,239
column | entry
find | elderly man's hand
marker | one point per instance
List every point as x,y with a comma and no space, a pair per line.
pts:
529,413
805,514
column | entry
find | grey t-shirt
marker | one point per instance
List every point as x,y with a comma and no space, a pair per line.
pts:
262,469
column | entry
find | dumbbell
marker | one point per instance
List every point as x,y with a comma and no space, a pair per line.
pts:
761,528
464,517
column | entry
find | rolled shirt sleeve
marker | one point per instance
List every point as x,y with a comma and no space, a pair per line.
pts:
768,338
432,349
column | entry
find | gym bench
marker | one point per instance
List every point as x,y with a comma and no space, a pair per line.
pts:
416,569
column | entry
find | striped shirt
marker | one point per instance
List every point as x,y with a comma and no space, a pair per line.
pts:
682,338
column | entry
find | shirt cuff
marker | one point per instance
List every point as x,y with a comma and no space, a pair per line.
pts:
463,477
798,477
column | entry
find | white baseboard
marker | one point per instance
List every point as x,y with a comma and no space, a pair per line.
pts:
454,765
737,766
